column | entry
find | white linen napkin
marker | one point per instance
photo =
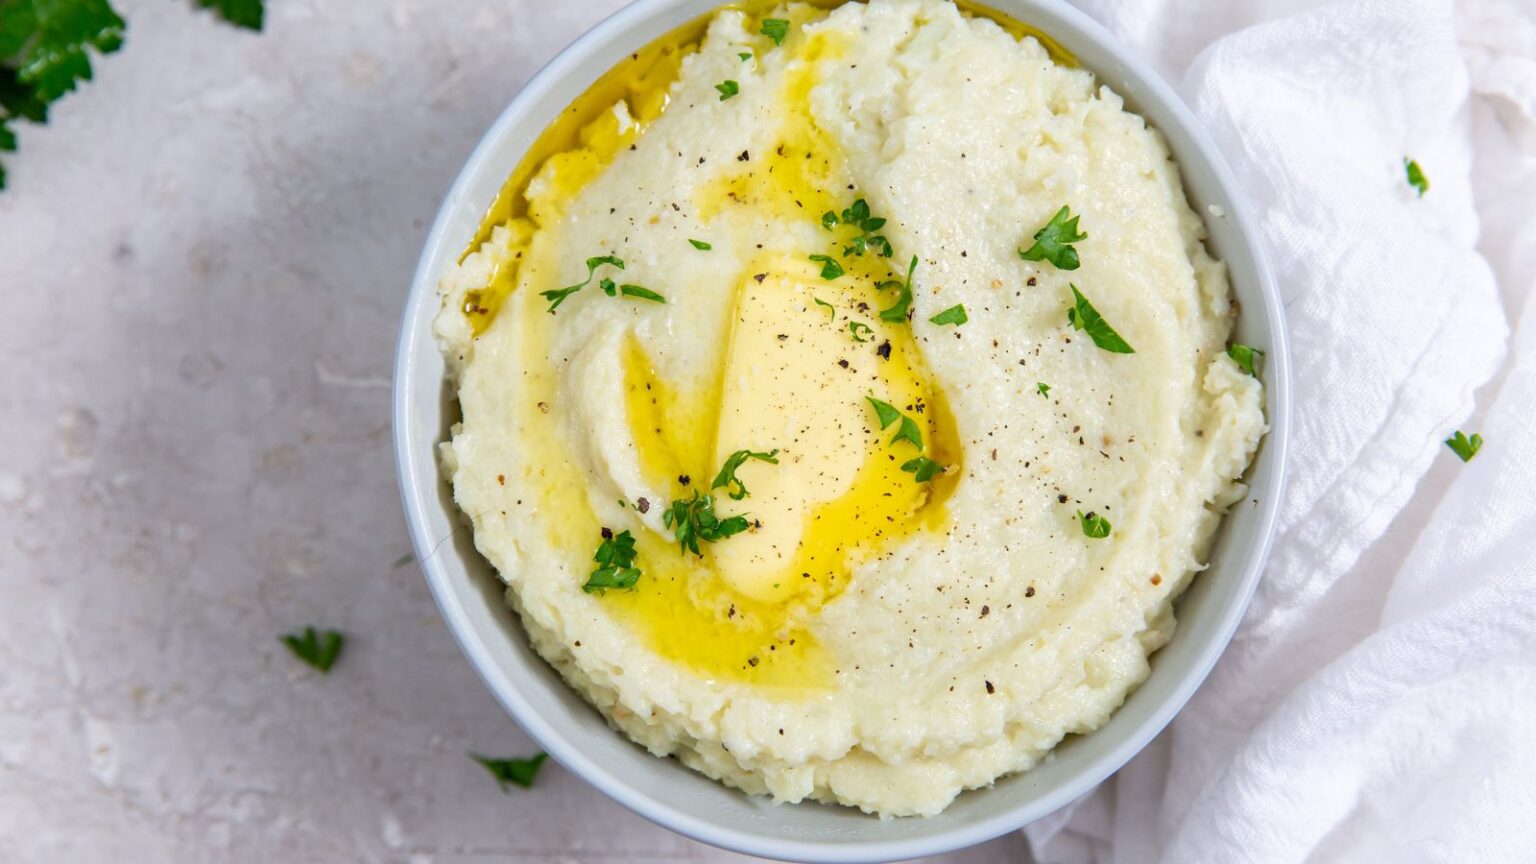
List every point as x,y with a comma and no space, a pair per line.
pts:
1379,701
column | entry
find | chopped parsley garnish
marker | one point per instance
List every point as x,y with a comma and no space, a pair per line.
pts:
898,311
831,310
694,519
887,414
1416,177
857,215
700,245
512,772
557,296
775,29
1245,357
1084,317
615,563
1044,388
921,468
861,332
728,89
727,476
830,269
319,650
1094,525
1053,243
611,290
745,56
953,315
1465,448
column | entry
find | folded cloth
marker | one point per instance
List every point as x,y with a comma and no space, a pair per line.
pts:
1379,701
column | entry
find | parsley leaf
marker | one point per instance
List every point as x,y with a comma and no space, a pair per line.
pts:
830,269
921,468
641,293
1464,448
1084,317
44,51
1044,388
1054,242
1245,356
831,310
519,772
861,332
1095,526
727,476
888,414
828,220
745,56
858,216
557,296
615,560
898,311
1416,177
694,519
700,245
241,13
775,29
728,89
316,649
953,315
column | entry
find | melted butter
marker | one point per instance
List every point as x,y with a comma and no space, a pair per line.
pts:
753,629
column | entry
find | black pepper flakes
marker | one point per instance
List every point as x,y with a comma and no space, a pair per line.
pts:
1030,591
990,688
884,350
607,533
643,505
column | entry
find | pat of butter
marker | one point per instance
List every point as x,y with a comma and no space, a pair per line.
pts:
795,381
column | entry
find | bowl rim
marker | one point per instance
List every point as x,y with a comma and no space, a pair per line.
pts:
418,474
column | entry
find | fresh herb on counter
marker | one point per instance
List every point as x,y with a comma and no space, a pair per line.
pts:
898,311
1464,448
775,29
46,45
1084,317
317,649
728,89
694,519
830,269
727,476
1416,177
1095,527
1245,357
512,772
953,315
615,560
1053,243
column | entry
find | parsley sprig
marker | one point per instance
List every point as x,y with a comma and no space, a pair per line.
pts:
556,296
1053,243
1245,356
1095,527
727,89
775,29
1416,177
694,519
899,310
920,466
615,560
512,772
857,216
1464,448
953,315
46,47
1083,316
830,269
610,289
319,650
727,476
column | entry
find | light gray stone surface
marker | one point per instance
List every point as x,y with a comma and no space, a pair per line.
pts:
203,259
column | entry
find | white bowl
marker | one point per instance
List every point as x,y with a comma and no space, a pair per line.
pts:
470,595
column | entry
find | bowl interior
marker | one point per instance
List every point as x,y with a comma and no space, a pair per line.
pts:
470,594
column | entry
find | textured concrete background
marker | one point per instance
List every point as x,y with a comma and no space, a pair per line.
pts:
203,258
